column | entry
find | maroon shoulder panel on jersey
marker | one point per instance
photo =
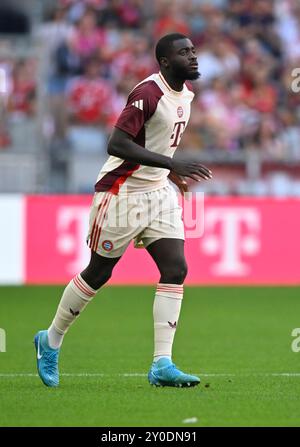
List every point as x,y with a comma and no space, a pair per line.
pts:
141,105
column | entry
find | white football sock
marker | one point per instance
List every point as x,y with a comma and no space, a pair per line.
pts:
166,310
55,339
75,298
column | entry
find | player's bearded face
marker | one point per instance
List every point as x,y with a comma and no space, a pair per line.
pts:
185,72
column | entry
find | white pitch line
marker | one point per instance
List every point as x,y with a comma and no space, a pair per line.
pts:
285,374
144,375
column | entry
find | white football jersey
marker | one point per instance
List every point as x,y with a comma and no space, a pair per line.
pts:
155,116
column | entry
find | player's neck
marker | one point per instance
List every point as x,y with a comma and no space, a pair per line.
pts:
174,83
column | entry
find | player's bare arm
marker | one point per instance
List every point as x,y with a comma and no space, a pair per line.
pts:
121,145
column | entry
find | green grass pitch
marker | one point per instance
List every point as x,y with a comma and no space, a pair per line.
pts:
238,339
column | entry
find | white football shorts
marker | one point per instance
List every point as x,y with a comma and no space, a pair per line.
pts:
116,220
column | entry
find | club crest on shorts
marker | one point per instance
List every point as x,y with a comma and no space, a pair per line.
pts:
107,245
180,112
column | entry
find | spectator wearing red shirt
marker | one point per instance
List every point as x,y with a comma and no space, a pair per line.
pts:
21,100
92,109
258,93
89,96
134,58
169,19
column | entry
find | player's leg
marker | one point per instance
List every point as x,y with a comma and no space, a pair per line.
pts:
108,241
82,288
76,296
168,254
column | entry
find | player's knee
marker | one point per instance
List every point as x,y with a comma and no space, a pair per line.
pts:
103,277
175,273
181,273
96,280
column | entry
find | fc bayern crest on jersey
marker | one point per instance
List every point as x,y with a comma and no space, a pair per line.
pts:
107,245
180,112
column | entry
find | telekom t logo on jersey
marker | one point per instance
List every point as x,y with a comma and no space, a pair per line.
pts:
178,129
233,233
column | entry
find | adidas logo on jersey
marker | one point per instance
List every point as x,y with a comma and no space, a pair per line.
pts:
138,104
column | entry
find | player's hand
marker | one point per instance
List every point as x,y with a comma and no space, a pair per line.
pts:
192,169
179,182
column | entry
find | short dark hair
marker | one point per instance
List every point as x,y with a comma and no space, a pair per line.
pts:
164,44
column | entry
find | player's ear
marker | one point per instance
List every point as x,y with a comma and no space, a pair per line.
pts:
164,62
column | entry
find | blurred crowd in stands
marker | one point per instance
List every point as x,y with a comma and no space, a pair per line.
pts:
95,51
17,94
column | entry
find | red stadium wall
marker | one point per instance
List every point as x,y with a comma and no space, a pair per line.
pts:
245,241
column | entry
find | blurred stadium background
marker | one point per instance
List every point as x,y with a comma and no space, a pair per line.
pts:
66,67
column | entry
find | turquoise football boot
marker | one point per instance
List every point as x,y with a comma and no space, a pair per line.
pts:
47,360
164,373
